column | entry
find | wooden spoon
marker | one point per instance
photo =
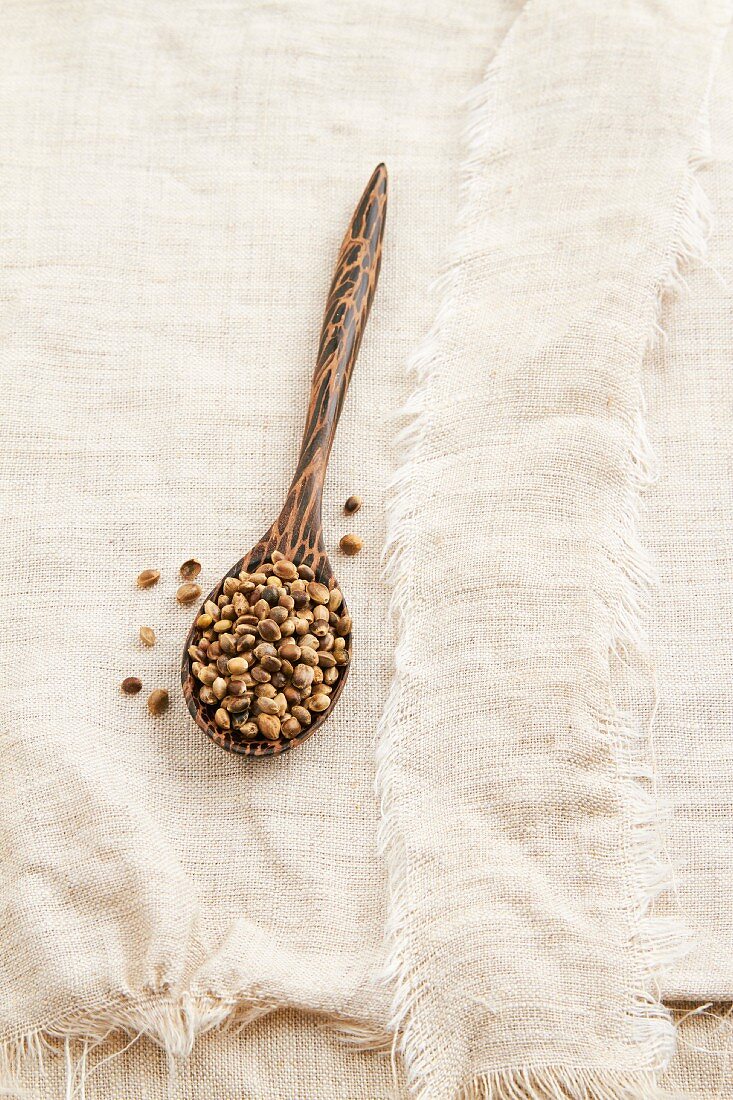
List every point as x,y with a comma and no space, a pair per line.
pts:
298,531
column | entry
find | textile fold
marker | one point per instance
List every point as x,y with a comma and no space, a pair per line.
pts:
520,578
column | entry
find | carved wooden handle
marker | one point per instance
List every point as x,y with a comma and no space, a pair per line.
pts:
347,310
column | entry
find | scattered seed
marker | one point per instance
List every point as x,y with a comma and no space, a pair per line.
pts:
131,685
158,702
148,578
190,569
351,544
147,635
353,504
187,593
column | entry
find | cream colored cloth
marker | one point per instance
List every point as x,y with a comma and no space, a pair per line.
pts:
688,527
290,1056
176,181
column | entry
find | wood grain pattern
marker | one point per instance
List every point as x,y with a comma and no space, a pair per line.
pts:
298,531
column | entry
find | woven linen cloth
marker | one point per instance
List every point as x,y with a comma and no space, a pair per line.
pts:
177,181
288,1056
177,184
688,528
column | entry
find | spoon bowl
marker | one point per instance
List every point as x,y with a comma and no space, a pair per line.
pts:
297,533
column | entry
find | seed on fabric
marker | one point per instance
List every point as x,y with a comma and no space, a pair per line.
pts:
190,569
158,702
351,544
269,651
148,578
353,504
188,592
147,636
131,685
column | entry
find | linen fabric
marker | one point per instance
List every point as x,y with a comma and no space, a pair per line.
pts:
177,181
289,1055
688,527
522,487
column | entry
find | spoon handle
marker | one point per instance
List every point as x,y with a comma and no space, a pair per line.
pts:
347,309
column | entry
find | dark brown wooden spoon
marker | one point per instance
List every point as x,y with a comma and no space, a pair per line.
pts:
298,531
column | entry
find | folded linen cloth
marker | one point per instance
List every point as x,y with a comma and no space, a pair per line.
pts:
152,884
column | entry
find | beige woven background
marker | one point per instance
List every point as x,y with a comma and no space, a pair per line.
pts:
688,526
176,181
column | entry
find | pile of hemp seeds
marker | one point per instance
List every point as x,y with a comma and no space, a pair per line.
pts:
270,651
274,687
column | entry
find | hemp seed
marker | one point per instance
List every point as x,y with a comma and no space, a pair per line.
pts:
148,578
351,544
131,685
190,569
188,592
158,702
147,636
353,504
269,651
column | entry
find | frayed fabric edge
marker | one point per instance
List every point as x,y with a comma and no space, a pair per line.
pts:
560,1083
171,1023
660,941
